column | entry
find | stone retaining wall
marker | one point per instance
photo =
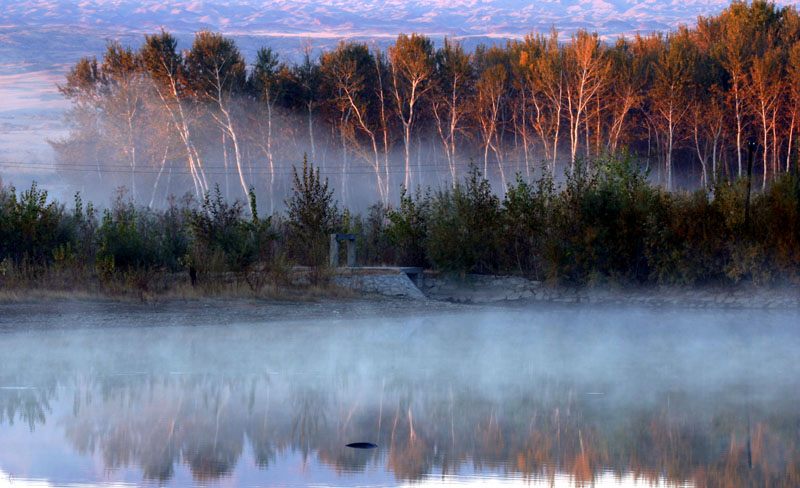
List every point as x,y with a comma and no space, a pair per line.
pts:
492,289
391,284
482,289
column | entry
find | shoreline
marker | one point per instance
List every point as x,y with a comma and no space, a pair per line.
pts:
67,315
487,289
86,314
62,314
433,291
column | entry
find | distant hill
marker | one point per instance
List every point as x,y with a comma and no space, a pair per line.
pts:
336,18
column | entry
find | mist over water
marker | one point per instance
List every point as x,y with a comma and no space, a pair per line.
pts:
556,395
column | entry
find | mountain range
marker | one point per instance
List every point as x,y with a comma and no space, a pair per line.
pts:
374,18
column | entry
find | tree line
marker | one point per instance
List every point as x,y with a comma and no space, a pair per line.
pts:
684,103
605,224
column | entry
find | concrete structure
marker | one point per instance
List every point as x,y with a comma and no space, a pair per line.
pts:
351,249
414,274
381,281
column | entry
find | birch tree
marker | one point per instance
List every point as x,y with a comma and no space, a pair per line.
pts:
411,63
522,56
669,94
350,70
266,80
217,75
629,71
122,102
490,92
307,83
764,89
165,66
381,93
793,103
547,87
735,57
454,80
585,72
84,144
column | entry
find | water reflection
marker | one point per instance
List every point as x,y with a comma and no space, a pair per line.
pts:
527,396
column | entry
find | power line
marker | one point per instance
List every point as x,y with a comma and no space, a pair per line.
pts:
279,170
281,167
212,173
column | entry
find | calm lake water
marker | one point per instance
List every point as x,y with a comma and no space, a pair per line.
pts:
574,396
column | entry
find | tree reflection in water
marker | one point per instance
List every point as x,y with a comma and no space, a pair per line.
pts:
205,422
23,403
533,422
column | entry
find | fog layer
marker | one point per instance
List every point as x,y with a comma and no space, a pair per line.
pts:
651,394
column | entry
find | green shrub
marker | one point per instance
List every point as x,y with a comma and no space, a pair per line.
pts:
687,239
408,230
129,239
770,249
173,226
598,225
31,229
84,222
223,240
463,227
373,245
312,216
525,216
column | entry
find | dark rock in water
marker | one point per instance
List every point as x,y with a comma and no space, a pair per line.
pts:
362,445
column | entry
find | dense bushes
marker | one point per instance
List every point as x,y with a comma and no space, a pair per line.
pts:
375,245
605,223
467,214
129,238
30,228
600,221
129,244
224,240
408,229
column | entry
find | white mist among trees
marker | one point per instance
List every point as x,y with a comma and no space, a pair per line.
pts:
162,122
